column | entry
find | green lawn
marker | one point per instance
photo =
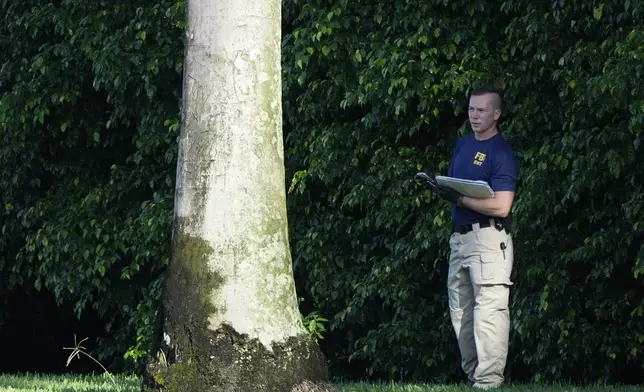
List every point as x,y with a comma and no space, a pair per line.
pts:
104,383
68,383
359,387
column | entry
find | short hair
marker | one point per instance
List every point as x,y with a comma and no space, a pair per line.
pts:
497,100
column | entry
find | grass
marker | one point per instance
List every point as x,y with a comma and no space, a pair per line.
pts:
120,383
68,383
391,387
395,387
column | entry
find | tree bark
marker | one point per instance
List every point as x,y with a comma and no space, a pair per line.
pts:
230,312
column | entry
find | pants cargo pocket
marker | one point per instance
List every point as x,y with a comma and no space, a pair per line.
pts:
494,268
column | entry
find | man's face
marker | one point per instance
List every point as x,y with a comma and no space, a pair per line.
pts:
483,112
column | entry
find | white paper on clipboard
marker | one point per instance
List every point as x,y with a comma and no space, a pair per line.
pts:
477,189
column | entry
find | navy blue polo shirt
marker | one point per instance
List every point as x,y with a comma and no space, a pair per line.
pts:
490,160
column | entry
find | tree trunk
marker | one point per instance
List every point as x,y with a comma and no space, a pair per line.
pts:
231,320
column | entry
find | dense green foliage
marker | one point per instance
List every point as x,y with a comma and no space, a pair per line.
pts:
373,92
376,91
88,119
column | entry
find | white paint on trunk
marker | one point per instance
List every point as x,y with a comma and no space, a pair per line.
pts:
230,177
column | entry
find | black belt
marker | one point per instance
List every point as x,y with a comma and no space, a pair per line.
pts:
464,229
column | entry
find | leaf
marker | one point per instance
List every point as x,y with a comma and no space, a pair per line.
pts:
597,13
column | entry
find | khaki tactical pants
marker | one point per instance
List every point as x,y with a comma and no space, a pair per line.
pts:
479,287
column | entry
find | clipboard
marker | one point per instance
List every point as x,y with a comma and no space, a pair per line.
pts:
477,189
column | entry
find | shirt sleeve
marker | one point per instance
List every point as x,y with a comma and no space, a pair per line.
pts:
505,171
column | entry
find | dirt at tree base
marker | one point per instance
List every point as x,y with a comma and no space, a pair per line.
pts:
308,386
225,361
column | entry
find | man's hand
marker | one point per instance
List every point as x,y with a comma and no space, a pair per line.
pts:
443,192
449,195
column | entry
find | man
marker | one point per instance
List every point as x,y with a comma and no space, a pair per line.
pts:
481,255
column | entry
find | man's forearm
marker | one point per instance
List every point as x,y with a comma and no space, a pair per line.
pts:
496,206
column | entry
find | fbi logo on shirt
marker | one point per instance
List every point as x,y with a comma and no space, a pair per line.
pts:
479,158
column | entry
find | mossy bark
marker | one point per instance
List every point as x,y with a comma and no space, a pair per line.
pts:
192,357
225,361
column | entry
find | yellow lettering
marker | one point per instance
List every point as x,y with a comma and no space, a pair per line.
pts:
479,156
